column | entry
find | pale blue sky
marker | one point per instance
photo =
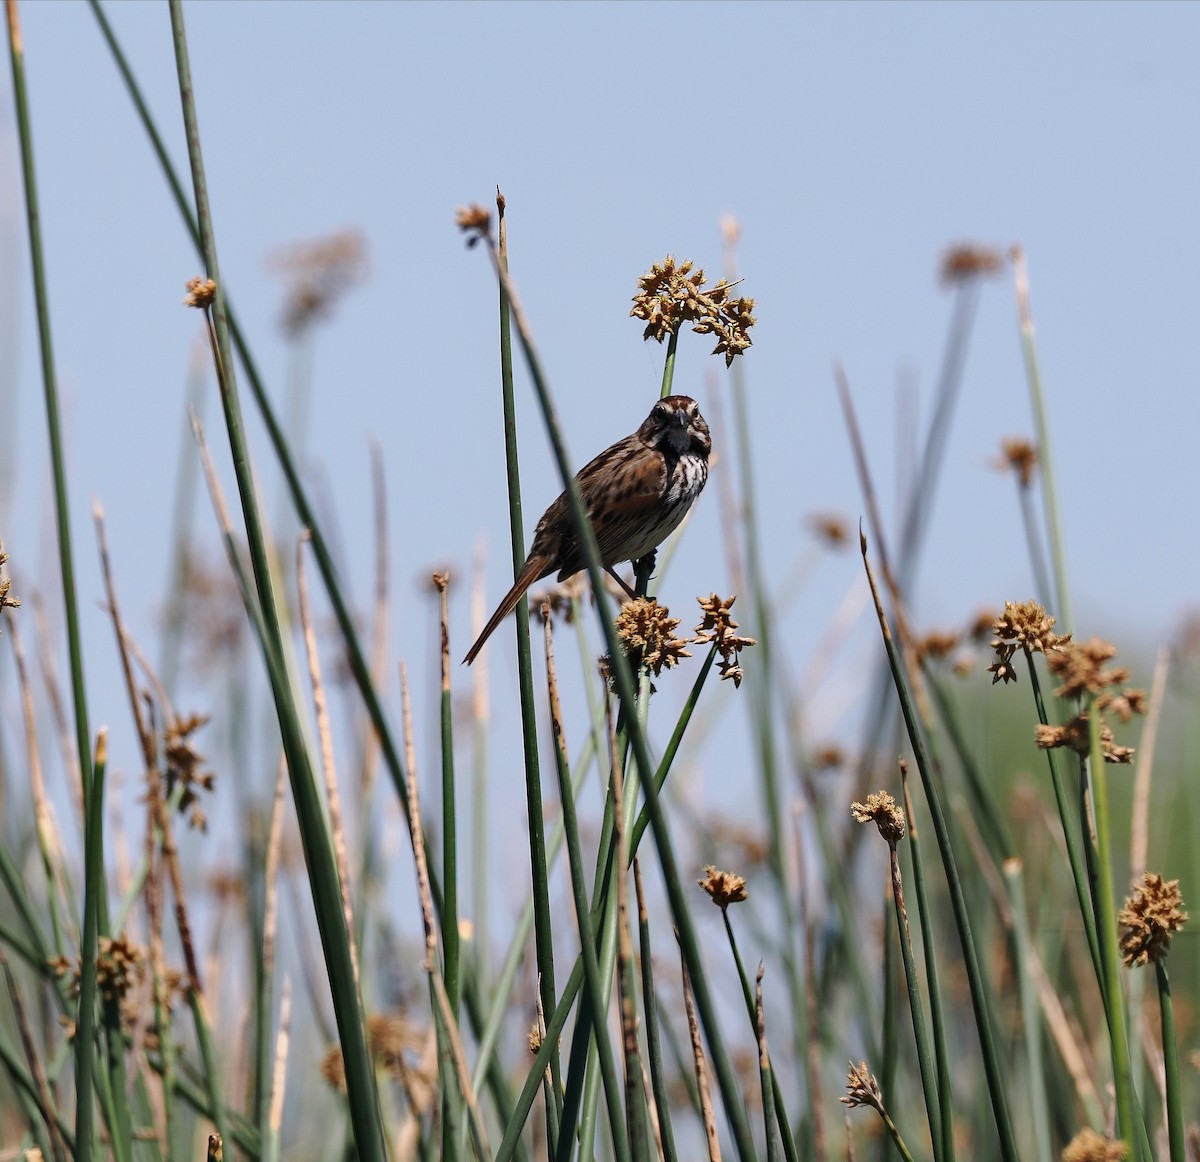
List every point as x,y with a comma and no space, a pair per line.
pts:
854,143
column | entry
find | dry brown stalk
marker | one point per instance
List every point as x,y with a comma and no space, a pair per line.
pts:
328,765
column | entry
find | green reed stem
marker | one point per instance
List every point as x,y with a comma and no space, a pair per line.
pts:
1175,1119
539,868
689,943
318,849
1109,946
1075,855
925,1061
355,655
774,1110
654,1057
668,377
93,889
62,508
992,824
945,1086
1031,1022
596,997
978,986
1037,399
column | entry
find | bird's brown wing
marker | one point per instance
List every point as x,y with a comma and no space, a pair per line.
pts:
621,489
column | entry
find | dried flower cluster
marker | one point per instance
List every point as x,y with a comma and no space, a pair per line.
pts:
671,294
389,1038
6,600
120,964
862,1089
474,221
723,888
718,626
969,260
1153,913
936,645
827,757
1074,735
647,632
560,598
319,273
1025,625
1080,667
886,814
830,528
184,765
1089,1146
1020,457
201,293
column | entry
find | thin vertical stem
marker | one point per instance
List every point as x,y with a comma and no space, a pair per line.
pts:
1107,906
323,876
62,508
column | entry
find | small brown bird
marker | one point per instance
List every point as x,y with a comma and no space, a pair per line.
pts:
635,493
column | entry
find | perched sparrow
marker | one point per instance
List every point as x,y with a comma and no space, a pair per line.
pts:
635,492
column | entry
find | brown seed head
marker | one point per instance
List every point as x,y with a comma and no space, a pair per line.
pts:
184,765
723,888
647,631
1029,626
1019,456
861,1088
1088,1146
886,814
1153,913
718,626
1124,705
475,222
672,293
119,966
1081,669
936,645
535,1037
1026,626
202,293
969,260
440,580
1075,734
828,757
319,273
831,528
6,601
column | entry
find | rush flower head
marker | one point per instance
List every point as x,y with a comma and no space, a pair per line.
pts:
861,1088
1153,913
1019,456
831,528
936,645
184,765
1089,1146
6,601
647,631
318,273
1081,669
883,810
1026,626
474,221
718,626
671,294
1074,734
969,260
201,293
723,888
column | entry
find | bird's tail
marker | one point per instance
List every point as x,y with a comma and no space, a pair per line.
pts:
534,568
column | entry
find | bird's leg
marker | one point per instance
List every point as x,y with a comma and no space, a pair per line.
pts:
619,580
643,568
